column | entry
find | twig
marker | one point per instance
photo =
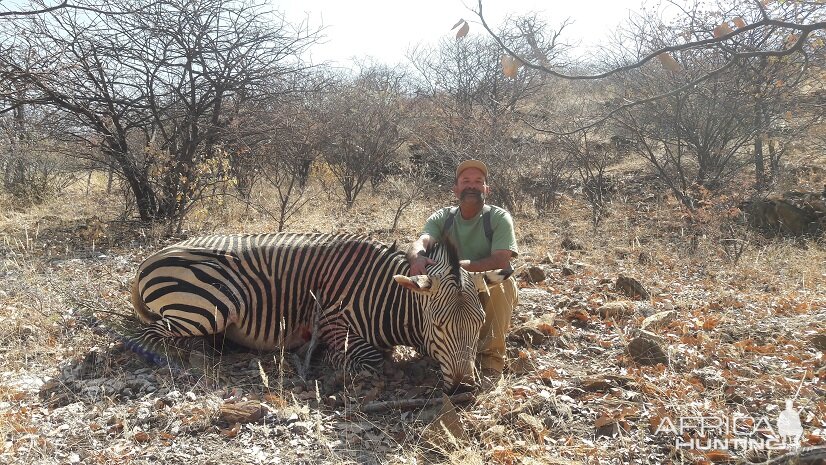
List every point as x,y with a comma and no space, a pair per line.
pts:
805,456
411,404
314,336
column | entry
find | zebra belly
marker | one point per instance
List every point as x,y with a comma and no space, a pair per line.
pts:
293,339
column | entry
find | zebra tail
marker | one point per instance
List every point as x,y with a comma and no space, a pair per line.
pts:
126,330
141,309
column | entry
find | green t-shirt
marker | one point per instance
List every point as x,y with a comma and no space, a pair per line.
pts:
470,234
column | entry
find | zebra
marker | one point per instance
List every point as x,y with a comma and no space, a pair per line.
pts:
263,291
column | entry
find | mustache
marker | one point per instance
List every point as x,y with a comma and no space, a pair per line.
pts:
472,192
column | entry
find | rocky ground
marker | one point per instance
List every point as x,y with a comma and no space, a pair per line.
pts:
612,342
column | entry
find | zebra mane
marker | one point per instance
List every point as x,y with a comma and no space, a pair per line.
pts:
452,256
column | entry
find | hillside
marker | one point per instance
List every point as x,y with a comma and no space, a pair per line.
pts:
740,320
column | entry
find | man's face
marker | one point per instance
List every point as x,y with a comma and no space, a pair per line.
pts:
471,186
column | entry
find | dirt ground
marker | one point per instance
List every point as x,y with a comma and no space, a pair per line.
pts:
733,325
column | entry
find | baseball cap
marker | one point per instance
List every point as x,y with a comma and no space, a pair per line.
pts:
472,164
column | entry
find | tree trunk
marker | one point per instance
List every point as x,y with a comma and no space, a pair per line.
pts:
774,160
110,178
138,183
759,163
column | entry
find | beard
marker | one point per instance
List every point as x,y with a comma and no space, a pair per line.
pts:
472,195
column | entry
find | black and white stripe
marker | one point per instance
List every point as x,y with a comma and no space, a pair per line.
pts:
259,290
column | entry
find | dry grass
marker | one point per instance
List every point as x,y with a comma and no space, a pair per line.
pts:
740,343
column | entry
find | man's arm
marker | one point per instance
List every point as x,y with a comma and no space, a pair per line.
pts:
415,255
496,260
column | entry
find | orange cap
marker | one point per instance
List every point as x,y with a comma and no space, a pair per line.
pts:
472,164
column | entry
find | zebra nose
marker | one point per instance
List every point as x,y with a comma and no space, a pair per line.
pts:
462,387
461,384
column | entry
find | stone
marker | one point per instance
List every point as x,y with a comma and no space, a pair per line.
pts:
521,365
242,412
570,244
534,274
819,342
644,258
535,424
658,320
528,335
595,384
709,377
645,349
446,424
618,309
632,288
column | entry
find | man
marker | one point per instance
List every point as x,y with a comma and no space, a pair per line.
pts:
486,241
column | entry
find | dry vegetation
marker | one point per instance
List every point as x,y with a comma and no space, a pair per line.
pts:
630,176
741,337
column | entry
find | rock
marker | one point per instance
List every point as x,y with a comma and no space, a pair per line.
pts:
618,309
658,320
521,365
608,430
645,349
819,342
595,384
301,427
534,274
566,271
528,335
535,424
242,412
631,287
709,377
570,244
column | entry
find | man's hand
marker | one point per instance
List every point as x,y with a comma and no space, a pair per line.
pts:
416,258
419,265
496,260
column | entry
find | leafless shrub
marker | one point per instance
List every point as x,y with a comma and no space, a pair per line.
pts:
363,120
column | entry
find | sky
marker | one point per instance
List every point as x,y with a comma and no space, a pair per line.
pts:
384,30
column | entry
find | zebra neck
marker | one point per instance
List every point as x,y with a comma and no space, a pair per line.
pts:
405,319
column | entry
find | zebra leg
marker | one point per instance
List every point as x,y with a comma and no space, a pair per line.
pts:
355,354
173,341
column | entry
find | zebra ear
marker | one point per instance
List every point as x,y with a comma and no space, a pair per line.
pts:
418,283
479,282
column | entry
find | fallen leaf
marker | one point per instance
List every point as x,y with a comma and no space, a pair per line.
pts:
718,456
232,431
548,329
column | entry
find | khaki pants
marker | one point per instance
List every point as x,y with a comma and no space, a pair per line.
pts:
498,307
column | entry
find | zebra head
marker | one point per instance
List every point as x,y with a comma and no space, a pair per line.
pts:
451,312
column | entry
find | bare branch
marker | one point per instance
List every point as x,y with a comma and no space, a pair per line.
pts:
64,4
805,30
